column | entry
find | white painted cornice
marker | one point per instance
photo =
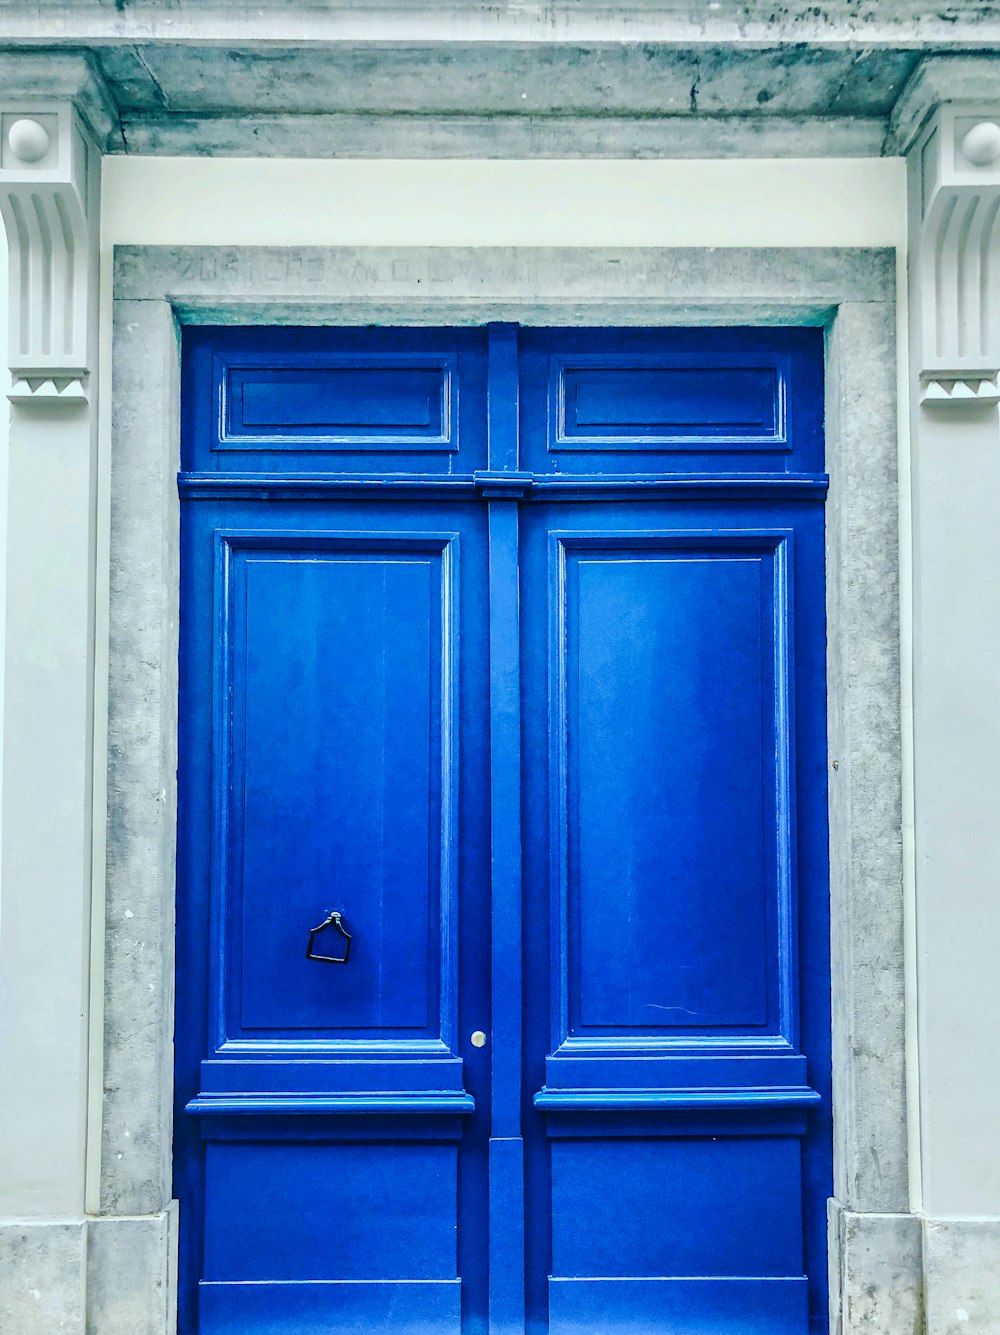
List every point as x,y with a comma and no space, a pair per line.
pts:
955,253
49,192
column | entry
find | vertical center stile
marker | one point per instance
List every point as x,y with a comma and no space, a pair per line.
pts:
506,1162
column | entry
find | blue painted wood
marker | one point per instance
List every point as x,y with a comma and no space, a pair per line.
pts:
331,1211
638,401
728,1061
314,1105
672,1206
625,401
343,799
331,1084
359,400
406,1307
690,1306
506,1221
666,722
367,401
770,1096
515,637
701,486
503,451
658,1121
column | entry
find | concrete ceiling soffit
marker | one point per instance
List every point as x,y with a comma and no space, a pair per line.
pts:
502,100
910,24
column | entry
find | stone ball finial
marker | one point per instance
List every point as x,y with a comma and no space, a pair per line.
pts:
981,145
29,141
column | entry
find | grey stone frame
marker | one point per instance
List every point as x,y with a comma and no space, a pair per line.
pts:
851,293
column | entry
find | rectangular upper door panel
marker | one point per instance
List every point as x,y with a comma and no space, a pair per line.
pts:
627,402
352,401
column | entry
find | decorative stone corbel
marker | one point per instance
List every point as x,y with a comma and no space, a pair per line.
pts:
49,193
955,193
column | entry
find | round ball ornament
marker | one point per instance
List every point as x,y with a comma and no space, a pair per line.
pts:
29,141
981,144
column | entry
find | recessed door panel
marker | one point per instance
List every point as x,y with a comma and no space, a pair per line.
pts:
342,779
644,402
355,1212
672,766
709,1206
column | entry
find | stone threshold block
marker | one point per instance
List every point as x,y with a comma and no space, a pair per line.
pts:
875,1273
96,1276
905,1274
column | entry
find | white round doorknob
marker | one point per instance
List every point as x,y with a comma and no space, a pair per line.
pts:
479,1039
981,144
29,141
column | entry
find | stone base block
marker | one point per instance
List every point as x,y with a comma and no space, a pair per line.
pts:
876,1284
132,1274
962,1276
97,1276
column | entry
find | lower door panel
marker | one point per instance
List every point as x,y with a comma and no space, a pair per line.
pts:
735,1306
317,1307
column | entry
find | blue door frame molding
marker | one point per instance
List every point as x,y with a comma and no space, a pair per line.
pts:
507,645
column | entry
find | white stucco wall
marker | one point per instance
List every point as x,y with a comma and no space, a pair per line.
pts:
849,202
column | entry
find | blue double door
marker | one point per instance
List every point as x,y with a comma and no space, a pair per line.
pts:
503,962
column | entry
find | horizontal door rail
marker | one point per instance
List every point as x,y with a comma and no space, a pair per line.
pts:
574,1100
331,486
256,1105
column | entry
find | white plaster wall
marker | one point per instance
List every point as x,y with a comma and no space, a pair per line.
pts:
4,464
848,202
957,695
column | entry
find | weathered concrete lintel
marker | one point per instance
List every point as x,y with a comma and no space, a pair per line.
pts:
283,282
500,136
454,97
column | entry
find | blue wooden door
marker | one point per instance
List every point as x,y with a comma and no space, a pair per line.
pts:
503,965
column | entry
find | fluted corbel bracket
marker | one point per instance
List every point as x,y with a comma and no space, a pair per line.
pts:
49,191
956,181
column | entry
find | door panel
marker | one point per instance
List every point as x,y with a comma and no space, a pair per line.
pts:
343,780
326,1178
668,700
678,1306
507,645
678,1105
627,402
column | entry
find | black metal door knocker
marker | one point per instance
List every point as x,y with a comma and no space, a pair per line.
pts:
333,922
